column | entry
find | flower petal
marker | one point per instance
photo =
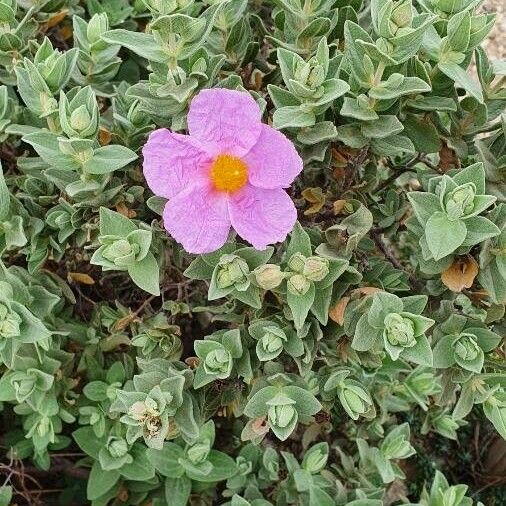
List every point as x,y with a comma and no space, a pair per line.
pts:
227,121
262,216
172,162
198,219
273,162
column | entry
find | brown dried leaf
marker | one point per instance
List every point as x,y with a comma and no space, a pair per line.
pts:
260,426
66,32
367,290
342,155
460,274
316,198
192,362
339,206
104,136
397,491
447,159
495,461
81,278
336,312
122,494
55,19
123,209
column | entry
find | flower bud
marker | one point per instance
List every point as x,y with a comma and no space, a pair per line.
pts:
232,270
451,6
97,26
198,452
460,201
315,461
316,268
117,447
399,330
282,416
402,14
244,466
9,322
355,400
271,342
466,348
120,252
79,118
218,362
298,284
24,387
268,276
296,262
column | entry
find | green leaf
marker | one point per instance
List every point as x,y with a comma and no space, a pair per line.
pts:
88,441
408,86
300,305
318,497
365,336
254,257
96,390
352,108
166,460
384,126
383,303
143,44
100,481
113,223
475,174
462,79
177,490
422,133
292,117
420,353
414,304
479,229
199,269
4,196
443,353
141,469
224,467
424,205
107,159
146,274
321,304
486,339
46,146
444,236
5,495
393,145
299,242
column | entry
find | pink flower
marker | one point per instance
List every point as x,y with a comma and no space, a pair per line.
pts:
229,171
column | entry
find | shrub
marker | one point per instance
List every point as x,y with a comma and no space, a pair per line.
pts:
299,302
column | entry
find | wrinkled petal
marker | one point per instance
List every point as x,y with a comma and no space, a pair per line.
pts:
262,216
226,121
172,162
273,162
198,219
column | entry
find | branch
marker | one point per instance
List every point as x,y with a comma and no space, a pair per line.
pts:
377,237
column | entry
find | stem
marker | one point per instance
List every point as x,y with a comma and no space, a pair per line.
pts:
376,236
397,173
26,17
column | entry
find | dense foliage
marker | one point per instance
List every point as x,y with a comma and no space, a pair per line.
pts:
334,368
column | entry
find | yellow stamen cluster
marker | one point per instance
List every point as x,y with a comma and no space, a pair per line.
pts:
229,173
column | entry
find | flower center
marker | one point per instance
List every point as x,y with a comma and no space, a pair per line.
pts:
229,173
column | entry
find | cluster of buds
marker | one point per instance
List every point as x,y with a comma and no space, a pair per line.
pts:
305,270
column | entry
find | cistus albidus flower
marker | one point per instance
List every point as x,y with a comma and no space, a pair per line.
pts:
230,171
